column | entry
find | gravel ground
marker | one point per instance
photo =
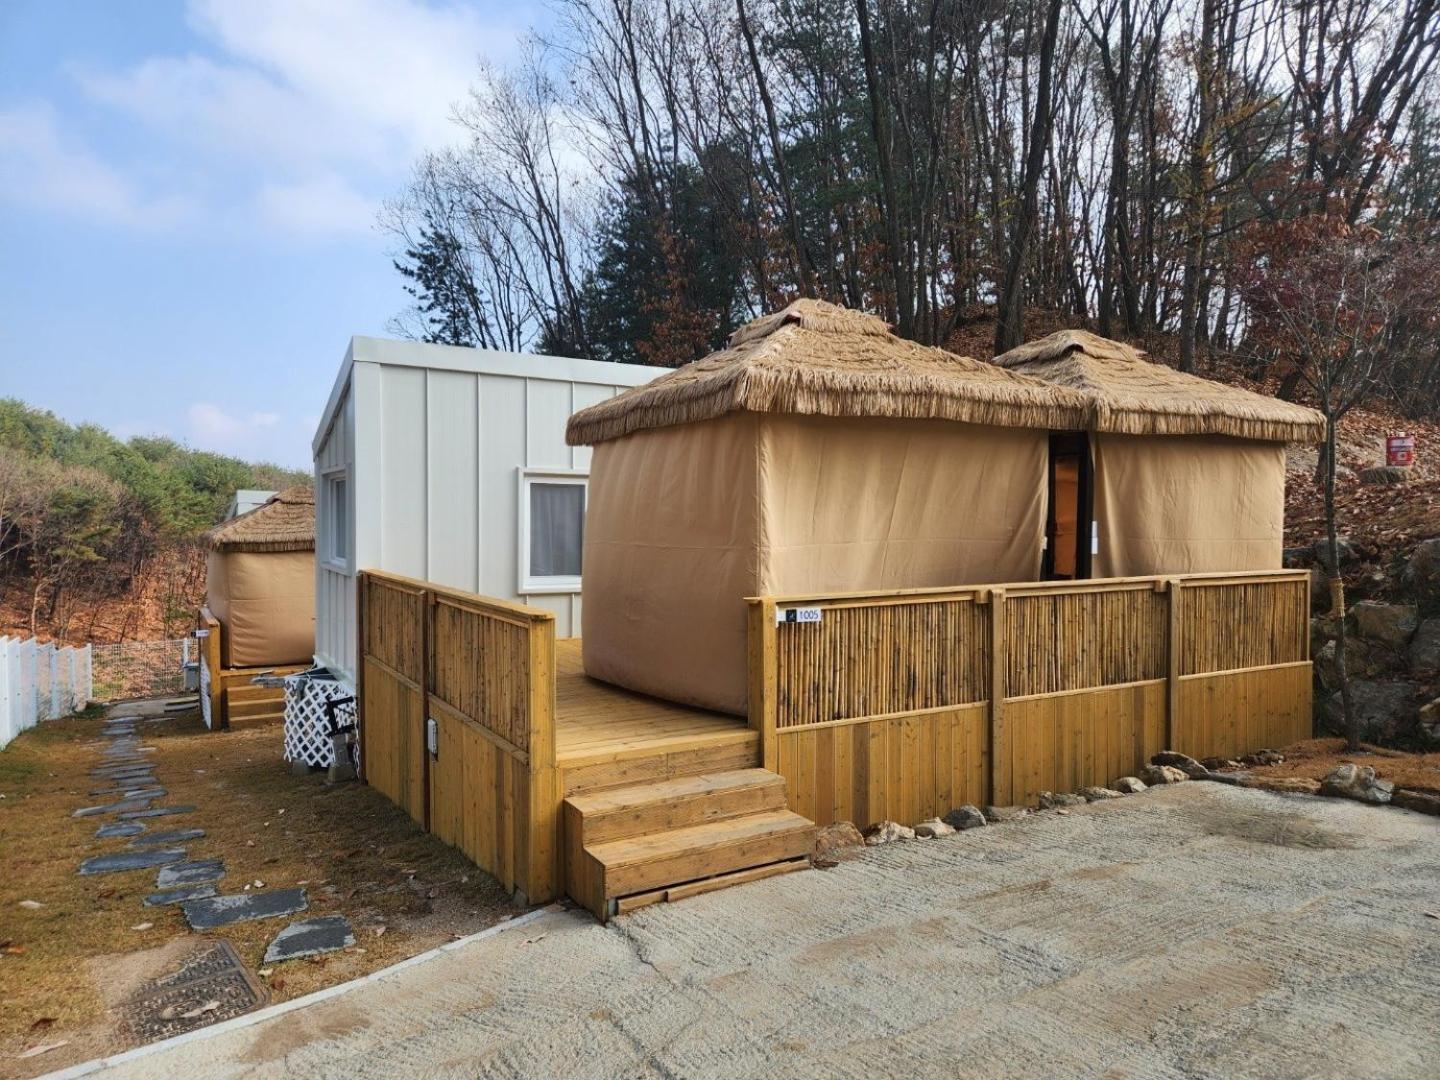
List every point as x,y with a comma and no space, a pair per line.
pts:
1197,930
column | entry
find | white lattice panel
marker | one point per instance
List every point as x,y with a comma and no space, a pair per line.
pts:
307,734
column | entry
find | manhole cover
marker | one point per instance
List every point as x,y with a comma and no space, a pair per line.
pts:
210,985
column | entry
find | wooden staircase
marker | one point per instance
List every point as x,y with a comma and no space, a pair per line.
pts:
631,846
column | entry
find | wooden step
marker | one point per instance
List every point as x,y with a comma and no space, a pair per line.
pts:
242,710
642,809
604,873
250,692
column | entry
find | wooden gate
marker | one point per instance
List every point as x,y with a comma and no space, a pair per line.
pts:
457,705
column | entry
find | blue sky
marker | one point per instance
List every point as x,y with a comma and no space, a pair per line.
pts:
188,192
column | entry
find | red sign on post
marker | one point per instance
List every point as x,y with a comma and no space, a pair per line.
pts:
1400,451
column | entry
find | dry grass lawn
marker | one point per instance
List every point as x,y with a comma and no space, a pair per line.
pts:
63,965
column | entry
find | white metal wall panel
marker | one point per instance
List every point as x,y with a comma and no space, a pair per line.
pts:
582,396
403,465
502,452
547,410
452,450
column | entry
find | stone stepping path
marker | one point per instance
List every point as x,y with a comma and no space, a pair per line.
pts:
160,839
217,911
179,896
328,933
130,860
199,872
159,811
124,806
119,828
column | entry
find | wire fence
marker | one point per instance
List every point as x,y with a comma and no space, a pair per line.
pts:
140,669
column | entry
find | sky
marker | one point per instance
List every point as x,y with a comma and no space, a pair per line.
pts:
188,199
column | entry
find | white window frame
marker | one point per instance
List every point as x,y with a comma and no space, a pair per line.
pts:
329,534
544,584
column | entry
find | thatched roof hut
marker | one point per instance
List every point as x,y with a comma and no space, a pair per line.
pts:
260,582
817,451
1181,473
817,359
1126,394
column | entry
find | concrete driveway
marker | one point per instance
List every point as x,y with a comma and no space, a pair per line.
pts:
1197,930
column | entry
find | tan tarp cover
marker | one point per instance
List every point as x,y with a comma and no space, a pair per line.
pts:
684,522
265,601
1187,504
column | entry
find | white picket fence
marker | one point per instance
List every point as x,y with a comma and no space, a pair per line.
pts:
40,682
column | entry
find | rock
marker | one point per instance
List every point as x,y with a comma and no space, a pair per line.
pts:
1424,651
1163,774
130,860
1263,757
199,872
119,828
999,815
179,896
1128,785
928,830
1295,558
1357,782
1422,802
1386,474
1289,785
833,841
1364,659
1220,764
965,817
112,808
1321,548
1099,794
887,832
328,933
1421,577
159,811
216,911
1319,590
1428,722
1050,800
1389,624
1184,762
1385,711
174,836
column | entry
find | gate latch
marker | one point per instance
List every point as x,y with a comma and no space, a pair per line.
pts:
432,737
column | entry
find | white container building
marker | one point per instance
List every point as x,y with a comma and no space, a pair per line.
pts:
450,465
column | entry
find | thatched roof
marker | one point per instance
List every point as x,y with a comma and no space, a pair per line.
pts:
1127,394
285,523
818,359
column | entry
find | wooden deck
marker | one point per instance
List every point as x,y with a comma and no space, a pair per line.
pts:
606,736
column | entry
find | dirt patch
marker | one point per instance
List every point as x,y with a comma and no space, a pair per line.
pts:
1287,832
1316,758
64,966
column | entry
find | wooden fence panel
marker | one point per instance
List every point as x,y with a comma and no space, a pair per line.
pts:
1060,685
484,675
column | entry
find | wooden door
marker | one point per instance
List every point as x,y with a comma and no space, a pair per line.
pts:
1070,515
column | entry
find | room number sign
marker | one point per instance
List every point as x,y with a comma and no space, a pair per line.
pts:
797,615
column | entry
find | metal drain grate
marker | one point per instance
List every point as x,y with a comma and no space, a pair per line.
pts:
210,985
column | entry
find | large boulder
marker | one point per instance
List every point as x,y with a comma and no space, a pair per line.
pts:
1319,590
835,842
1427,725
1386,474
1364,659
1421,576
1389,624
1322,553
1385,710
1357,782
1424,652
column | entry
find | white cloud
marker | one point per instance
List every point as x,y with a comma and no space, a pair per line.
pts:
325,204
300,115
39,166
212,428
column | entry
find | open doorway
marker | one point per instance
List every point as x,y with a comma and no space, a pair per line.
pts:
1068,522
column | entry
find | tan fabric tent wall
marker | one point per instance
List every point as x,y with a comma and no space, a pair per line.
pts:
265,601
686,521
1176,504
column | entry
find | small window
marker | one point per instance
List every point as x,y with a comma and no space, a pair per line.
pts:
337,517
552,531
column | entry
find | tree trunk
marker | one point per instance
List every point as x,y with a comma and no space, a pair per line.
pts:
1009,320
1337,590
